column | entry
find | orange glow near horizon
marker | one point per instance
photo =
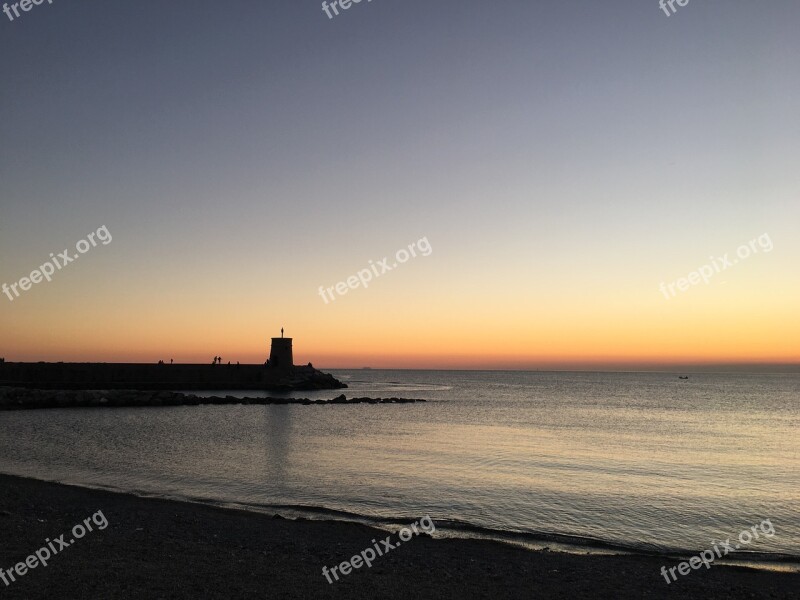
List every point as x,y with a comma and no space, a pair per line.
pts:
572,319
584,342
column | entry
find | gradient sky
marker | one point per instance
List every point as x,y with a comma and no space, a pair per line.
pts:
562,158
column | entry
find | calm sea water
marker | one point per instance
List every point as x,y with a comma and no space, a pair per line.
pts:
616,460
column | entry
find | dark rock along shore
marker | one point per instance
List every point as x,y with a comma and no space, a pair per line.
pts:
29,399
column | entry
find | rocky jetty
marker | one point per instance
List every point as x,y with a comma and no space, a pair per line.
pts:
31,399
161,377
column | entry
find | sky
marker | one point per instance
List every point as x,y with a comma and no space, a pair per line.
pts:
562,160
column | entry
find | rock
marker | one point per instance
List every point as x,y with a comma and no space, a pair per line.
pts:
21,399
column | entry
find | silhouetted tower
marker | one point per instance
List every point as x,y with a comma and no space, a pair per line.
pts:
280,355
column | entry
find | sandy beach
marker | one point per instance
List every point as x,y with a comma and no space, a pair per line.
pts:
153,548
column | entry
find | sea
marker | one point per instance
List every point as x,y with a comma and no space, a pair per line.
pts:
571,461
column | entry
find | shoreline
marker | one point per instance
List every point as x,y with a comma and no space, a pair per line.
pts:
156,547
535,542
562,543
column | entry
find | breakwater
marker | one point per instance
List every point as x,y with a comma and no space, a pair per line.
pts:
29,399
187,377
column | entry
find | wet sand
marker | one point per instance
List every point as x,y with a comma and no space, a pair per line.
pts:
155,548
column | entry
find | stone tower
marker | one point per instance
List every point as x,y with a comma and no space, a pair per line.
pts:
280,355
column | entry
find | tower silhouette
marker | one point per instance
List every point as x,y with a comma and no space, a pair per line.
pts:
280,354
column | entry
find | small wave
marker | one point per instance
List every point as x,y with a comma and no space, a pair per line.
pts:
455,528
537,540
